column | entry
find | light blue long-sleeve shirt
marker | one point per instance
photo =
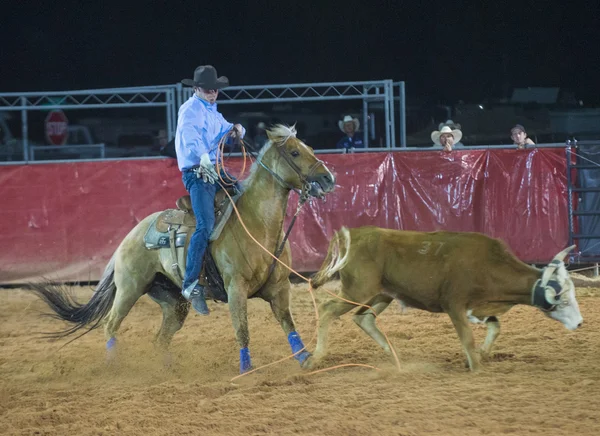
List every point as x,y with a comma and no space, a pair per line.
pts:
200,127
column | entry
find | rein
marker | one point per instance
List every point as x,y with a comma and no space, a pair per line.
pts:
277,253
290,162
303,194
276,177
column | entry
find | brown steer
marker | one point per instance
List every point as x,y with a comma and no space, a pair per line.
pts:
469,276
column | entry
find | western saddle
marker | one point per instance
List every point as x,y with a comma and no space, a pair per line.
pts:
178,223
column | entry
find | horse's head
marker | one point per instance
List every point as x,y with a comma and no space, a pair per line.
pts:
296,164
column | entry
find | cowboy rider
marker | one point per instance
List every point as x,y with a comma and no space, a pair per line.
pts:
200,128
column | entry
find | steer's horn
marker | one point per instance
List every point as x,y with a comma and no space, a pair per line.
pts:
561,256
554,263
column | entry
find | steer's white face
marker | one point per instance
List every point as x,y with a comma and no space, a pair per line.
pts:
567,310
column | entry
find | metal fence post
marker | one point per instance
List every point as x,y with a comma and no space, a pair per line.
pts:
402,113
570,192
365,114
386,114
169,94
390,102
24,129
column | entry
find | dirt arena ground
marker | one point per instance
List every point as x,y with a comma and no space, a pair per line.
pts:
543,379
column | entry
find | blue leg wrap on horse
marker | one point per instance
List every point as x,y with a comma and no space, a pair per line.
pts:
297,345
111,343
245,362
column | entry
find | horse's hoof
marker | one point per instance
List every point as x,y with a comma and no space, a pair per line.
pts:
246,369
111,352
111,358
310,363
476,366
302,357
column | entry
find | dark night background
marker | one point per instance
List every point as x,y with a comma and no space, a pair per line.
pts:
443,50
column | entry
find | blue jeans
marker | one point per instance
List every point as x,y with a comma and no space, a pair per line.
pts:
202,195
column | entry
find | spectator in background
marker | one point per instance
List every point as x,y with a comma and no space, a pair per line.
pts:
519,137
350,127
169,149
446,137
452,125
260,138
166,147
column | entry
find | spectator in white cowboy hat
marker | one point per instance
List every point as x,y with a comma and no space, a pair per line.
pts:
453,125
200,128
446,137
350,126
519,137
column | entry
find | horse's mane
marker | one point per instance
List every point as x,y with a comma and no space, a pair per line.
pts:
278,134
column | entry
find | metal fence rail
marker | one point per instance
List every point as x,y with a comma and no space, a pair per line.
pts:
171,96
155,96
367,91
67,149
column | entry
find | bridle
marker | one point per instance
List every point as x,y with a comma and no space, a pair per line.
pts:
303,195
547,293
549,297
303,179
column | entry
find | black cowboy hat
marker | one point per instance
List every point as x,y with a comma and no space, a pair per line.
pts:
205,76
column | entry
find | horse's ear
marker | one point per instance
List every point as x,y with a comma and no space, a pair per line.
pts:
272,136
279,133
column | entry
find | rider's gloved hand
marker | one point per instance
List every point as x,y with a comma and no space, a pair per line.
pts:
207,170
237,131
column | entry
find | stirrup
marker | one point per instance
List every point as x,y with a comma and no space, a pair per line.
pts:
189,292
195,295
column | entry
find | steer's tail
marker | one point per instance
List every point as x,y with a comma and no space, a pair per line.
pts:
336,259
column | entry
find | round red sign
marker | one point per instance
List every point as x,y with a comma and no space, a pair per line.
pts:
57,128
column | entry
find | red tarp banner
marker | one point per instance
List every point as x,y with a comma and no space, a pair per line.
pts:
64,220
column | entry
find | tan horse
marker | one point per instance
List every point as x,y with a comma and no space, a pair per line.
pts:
285,163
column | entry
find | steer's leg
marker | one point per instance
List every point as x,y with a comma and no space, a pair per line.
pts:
493,330
358,287
461,324
365,319
328,311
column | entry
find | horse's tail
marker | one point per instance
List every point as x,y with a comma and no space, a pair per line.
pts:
336,259
65,307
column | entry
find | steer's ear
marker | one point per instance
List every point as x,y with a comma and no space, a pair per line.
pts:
548,271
